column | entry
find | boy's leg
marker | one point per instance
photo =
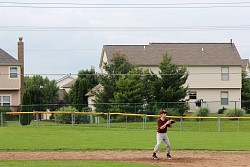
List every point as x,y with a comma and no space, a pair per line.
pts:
167,143
159,138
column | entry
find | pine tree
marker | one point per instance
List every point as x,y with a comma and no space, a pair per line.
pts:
170,86
118,65
25,119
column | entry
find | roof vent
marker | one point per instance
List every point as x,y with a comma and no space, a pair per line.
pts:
202,49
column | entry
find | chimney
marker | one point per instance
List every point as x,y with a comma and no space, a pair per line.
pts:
231,42
20,53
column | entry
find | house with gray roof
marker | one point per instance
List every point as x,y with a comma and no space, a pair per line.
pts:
214,68
11,77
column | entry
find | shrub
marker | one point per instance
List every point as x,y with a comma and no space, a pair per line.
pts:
201,112
234,112
4,109
67,118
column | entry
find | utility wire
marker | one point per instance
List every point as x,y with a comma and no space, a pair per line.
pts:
62,5
135,28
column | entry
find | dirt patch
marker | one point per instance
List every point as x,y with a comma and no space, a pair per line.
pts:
179,158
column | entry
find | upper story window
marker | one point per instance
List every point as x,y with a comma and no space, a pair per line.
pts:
4,100
192,95
224,73
13,72
224,98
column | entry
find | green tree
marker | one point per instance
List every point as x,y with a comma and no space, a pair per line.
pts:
86,80
245,92
26,106
136,90
129,91
170,85
118,65
42,91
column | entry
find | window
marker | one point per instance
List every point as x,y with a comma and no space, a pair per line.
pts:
13,72
4,100
224,73
192,94
224,98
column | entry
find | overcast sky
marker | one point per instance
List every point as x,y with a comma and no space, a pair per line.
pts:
60,38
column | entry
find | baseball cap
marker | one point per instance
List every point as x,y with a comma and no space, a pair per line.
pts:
163,112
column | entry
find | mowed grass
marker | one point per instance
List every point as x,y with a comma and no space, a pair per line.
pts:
79,138
71,163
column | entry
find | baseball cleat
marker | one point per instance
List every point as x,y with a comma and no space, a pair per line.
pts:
154,156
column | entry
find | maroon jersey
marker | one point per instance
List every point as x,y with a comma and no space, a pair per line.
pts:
160,123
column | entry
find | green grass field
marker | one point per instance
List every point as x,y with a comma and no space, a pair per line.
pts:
74,163
121,136
78,138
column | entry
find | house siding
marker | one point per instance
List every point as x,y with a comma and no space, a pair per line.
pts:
14,96
212,99
8,83
210,77
104,60
206,81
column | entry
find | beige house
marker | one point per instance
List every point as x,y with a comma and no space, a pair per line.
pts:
63,82
214,69
91,96
11,77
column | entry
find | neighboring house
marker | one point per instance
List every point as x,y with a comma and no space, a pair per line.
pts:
64,84
64,80
11,77
91,96
67,87
245,67
214,68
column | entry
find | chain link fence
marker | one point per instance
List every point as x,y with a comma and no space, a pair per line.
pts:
140,116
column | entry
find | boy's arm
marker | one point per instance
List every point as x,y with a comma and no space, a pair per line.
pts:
167,123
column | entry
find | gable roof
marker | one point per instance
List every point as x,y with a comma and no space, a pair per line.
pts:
65,77
245,63
190,54
6,59
94,89
70,84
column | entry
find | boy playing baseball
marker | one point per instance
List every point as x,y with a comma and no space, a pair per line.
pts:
163,123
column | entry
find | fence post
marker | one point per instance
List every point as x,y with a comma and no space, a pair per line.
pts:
181,124
37,118
1,118
199,124
55,117
108,120
238,128
144,121
72,118
218,123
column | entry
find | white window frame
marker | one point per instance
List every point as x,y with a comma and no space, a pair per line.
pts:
13,75
192,94
2,102
224,97
224,73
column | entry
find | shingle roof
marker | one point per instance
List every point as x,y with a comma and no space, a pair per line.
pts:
70,84
94,89
6,59
245,63
190,54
